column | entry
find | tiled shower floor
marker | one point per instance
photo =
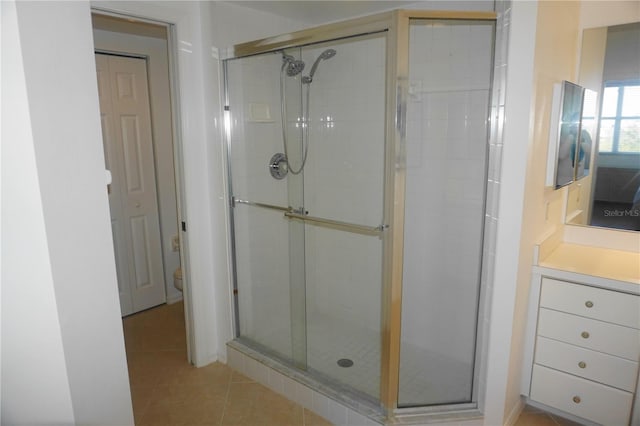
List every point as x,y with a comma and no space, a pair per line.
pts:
425,376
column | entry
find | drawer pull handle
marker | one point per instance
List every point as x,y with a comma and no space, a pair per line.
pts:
582,364
577,399
588,304
585,335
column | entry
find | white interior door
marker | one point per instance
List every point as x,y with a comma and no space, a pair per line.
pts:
126,131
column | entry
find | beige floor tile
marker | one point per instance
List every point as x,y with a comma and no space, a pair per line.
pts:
312,419
179,393
531,409
532,416
239,378
561,421
253,404
212,373
141,397
167,391
181,412
535,419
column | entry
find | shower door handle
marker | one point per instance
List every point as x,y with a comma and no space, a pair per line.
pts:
235,201
345,226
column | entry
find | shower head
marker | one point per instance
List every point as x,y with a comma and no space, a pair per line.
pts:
292,65
327,54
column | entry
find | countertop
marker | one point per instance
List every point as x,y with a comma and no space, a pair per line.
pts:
595,261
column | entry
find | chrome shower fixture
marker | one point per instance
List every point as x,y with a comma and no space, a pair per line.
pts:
292,65
327,54
280,165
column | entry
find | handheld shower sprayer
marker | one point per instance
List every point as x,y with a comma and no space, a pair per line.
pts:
327,54
292,67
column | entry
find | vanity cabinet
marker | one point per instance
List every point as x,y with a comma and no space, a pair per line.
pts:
584,344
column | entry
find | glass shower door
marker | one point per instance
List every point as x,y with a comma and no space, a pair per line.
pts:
268,248
308,246
450,69
343,183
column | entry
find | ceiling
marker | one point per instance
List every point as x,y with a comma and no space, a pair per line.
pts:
317,12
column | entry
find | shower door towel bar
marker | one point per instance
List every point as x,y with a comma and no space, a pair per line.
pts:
294,214
346,226
235,201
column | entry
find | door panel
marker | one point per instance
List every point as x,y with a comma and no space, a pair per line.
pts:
262,248
131,144
111,154
128,143
446,174
344,181
140,240
308,249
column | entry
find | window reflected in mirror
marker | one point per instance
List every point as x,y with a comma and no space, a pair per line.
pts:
610,66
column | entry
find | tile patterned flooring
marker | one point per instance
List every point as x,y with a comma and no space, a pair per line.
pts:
167,391
532,416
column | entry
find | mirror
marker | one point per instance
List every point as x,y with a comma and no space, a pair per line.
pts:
565,137
607,191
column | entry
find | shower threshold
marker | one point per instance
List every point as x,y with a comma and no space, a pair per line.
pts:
339,404
307,388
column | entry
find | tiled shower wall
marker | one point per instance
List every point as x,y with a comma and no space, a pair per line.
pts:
447,129
496,117
344,180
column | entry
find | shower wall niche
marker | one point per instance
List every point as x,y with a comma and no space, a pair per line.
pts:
359,266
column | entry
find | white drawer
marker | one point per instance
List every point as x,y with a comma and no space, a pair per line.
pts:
596,303
587,333
606,369
580,397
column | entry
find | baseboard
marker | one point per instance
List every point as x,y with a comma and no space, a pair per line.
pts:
208,360
174,299
515,412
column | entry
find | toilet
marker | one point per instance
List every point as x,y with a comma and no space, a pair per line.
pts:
177,279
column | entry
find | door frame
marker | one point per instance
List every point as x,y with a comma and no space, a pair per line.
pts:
178,161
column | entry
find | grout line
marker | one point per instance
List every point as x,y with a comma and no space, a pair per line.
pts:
226,398
553,419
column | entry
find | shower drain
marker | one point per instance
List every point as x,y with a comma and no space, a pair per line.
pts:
345,362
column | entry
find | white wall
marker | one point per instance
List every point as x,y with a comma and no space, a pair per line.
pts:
159,93
514,105
344,181
233,24
59,70
32,346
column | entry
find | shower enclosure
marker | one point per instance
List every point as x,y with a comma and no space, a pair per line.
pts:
357,156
